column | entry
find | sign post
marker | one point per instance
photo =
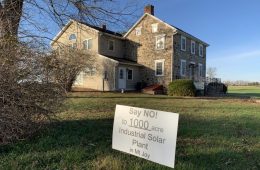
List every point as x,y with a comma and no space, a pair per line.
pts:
149,134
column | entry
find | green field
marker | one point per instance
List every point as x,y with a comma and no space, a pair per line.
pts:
213,133
244,91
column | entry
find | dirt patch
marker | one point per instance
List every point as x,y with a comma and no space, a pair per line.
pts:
257,101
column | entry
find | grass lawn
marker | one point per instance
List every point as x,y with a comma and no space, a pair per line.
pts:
244,91
213,134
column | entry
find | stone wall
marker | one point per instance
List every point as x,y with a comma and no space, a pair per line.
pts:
141,48
189,57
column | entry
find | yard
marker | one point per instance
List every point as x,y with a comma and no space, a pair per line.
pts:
244,91
214,133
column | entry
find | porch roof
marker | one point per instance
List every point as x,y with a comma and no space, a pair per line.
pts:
124,61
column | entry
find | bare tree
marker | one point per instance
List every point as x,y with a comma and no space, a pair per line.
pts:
95,12
211,72
26,101
62,68
34,83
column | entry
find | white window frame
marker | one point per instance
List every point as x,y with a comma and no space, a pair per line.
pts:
181,68
191,45
155,28
113,45
88,43
156,41
132,73
183,39
201,48
200,70
155,66
138,31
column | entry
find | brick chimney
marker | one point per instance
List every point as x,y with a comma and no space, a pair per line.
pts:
149,9
104,27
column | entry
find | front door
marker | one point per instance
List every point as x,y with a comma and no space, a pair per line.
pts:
122,78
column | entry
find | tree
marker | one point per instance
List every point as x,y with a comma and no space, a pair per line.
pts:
211,72
63,69
95,12
34,83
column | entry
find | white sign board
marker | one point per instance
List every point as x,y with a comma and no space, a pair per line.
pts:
199,85
149,134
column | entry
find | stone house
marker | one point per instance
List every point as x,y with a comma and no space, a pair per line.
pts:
152,51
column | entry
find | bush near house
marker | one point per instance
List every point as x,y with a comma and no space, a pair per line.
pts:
181,87
216,88
225,88
140,85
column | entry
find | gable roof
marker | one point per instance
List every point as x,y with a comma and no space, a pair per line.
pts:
101,29
176,30
61,32
109,32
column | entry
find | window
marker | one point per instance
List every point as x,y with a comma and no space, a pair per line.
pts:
90,71
200,70
129,74
121,74
183,43
72,37
160,41
201,50
111,45
159,67
183,67
138,31
154,28
192,47
80,79
87,44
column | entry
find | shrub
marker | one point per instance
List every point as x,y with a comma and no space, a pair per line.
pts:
182,87
27,100
225,89
140,85
217,88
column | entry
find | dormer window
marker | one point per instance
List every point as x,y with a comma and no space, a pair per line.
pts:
138,31
183,43
154,28
72,37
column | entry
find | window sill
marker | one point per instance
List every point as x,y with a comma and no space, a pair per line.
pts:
158,49
159,75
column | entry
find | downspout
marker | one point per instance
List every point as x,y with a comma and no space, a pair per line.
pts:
116,65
